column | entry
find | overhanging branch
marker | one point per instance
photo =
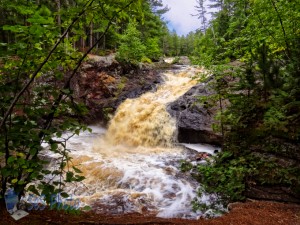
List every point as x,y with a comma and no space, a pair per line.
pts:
17,97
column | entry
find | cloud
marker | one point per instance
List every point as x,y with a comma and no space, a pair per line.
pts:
179,16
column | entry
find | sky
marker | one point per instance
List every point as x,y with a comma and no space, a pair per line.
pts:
179,16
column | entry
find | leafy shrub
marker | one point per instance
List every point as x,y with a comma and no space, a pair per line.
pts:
153,50
131,49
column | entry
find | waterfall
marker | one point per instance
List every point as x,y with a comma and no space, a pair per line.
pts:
144,121
133,166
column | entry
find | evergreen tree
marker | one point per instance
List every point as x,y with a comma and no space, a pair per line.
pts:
131,48
262,117
200,8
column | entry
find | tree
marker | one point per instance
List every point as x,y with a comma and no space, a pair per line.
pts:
200,8
131,48
36,103
263,116
153,50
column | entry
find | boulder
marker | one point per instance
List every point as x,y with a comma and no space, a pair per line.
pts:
103,84
184,60
272,193
195,119
281,169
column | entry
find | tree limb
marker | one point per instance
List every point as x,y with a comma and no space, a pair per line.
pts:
17,97
282,27
67,84
57,102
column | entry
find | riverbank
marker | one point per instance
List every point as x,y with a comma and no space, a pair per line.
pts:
242,213
249,213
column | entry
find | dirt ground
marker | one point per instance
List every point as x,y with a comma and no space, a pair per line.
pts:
249,213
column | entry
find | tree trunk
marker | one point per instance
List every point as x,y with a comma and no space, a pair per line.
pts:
104,42
58,5
91,35
82,43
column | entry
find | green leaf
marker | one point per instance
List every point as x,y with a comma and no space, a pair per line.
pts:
14,180
38,46
33,151
79,178
77,170
54,146
69,176
58,134
86,208
5,172
66,91
64,195
21,182
11,159
46,172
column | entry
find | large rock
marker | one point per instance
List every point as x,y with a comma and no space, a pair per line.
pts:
272,193
195,119
184,60
103,84
279,177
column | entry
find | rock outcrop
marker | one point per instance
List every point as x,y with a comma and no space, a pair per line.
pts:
103,84
195,119
281,169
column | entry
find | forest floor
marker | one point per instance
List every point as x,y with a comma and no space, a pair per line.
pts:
249,213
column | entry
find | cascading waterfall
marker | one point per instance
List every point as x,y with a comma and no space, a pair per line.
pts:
133,166
144,121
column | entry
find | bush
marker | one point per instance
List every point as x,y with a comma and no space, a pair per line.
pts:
153,50
131,49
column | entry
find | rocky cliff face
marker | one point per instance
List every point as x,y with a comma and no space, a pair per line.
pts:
103,84
195,119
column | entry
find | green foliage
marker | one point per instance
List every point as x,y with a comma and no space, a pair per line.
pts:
146,60
252,50
131,49
204,52
153,50
230,174
227,180
36,99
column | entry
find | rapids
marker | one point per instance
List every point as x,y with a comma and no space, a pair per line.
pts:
133,166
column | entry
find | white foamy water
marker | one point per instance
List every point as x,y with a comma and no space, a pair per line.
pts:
133,166
202,148
143,180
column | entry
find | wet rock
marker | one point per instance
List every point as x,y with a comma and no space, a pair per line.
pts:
195,119
203,156
184,60
273,193
103,84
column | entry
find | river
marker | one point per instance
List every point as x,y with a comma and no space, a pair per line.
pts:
133,165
